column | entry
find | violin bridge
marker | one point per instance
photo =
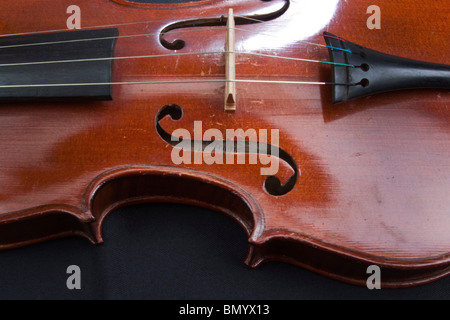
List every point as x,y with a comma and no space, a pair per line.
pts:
230,65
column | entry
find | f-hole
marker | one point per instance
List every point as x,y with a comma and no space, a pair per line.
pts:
178,44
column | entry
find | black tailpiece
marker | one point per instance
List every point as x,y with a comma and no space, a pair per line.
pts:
376,72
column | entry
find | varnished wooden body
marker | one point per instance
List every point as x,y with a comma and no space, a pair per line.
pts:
373,184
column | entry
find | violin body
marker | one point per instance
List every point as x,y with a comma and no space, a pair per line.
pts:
364,182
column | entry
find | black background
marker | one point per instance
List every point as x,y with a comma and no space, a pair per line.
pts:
166,251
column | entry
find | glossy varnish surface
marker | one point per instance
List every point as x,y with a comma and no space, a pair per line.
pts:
374,179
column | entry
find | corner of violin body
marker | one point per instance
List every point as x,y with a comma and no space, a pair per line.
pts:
45,223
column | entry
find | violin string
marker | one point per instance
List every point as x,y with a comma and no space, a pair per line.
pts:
96,39
173,81
84,28
108,58
296,59
73,40
303,41
158,55
15,86
170,55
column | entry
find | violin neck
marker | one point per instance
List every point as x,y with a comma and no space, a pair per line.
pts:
32,66
376,72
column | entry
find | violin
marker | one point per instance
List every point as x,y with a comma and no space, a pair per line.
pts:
326,140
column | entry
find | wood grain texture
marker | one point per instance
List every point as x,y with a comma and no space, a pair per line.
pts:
373,185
